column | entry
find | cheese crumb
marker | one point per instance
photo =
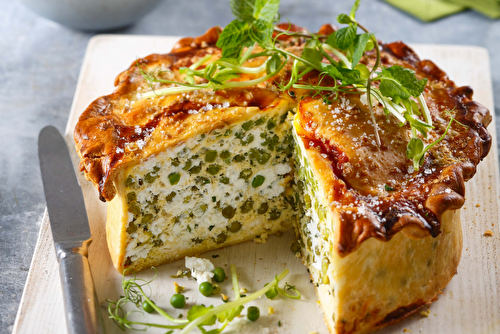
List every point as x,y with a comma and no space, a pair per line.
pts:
270,310
488,233
201,269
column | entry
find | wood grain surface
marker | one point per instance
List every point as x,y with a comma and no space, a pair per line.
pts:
469,304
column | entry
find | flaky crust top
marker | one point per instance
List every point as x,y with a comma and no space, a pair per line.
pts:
121,129
374,190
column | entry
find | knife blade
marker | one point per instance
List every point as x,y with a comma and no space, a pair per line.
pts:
71,233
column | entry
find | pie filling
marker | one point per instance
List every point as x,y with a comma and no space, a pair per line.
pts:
230,184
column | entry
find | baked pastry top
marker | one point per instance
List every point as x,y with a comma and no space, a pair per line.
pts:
122,129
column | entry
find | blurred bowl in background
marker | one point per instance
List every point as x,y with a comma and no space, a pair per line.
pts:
92,15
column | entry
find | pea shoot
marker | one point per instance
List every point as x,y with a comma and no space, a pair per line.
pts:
253,313
206,289
178,300
198,316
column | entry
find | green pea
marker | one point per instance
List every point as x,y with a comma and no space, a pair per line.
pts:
228,132
202,180
283,117
228,212
150,177
239,158
129,181
131,228
260,121
219,275
147,307
246,206
206,289
131,197
253,313
261,156
178,300
247,140
213,169
170,196
247,125
220,238
274,214
225,154
134,209
246,173
271,124
224,180
174,178
210,156
175,162
157,243
195,169
188,165
262,209
146,218
295,247
258,181
234,227
197,240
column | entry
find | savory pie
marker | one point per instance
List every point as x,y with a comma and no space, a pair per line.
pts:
191,172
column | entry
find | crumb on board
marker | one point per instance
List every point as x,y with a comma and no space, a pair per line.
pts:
488,233
178,288
406,330
425,313
478,205
261,239
270,310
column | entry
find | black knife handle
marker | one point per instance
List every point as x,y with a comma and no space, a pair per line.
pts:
83,314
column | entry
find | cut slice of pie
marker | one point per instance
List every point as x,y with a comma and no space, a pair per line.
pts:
192,172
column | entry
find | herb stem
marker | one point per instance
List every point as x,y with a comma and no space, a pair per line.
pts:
369,82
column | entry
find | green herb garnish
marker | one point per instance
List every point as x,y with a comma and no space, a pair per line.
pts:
396,88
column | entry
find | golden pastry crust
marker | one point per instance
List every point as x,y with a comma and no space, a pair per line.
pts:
357,171
107,139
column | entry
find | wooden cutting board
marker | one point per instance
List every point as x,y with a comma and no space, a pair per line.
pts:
469,304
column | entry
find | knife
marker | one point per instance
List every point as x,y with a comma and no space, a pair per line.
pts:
71,233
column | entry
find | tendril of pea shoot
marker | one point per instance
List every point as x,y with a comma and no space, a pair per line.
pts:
336,56
198,316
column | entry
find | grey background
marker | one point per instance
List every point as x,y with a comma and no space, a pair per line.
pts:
39,66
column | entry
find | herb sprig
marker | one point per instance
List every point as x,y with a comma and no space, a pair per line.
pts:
336,56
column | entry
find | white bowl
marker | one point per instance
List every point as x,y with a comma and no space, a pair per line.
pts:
92,15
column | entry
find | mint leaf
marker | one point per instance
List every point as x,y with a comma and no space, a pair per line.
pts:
331,70
344,19
233,39
261,32
400,83
197,311
332,40
350,76
359,47
312,55
354,8
345,37
243,9
266,10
